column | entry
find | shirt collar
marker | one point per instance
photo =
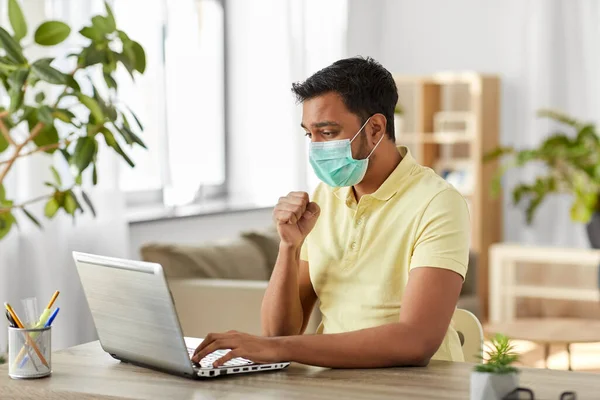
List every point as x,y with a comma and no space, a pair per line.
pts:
390,186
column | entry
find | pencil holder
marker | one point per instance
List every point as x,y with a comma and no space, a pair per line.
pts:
29,352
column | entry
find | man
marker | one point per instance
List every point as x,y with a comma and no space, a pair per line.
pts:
383,245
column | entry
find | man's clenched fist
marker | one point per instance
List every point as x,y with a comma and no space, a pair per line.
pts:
296,217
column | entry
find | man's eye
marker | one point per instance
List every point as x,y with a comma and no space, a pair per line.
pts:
308,134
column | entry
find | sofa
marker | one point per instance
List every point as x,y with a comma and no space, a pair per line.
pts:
219,286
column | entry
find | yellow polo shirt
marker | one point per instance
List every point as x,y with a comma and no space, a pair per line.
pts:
360,254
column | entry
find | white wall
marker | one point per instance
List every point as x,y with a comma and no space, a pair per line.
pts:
532,45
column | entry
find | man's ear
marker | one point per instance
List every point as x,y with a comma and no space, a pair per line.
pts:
378,124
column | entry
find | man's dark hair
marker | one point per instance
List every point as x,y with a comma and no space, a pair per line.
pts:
364,85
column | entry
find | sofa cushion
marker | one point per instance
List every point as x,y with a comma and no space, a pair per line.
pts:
267,241
233,259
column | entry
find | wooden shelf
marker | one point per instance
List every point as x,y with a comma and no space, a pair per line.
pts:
559,293
450,119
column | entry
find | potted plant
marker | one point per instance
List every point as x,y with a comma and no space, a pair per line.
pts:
47,110
496,377
572,165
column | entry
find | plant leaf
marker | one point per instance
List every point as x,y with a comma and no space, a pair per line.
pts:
140,57
16,82
49,74
129,136
558,116
110,81
48,135
94,175
108,109
112,142
102,24
51,33
88,202
92,105
137,121
56,176
70,203
65,116
44,114
17,20
32,218
128,63
2,193
3,144
84,153
12,47
72,83
6,222
51,207
92,33
110,18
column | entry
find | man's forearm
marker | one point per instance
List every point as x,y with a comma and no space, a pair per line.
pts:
281,312
389,345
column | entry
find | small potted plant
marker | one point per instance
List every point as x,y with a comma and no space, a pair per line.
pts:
496,377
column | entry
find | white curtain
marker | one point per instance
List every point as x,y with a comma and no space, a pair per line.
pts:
36,263
273,43
560,68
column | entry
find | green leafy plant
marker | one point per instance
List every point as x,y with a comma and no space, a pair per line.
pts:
500,356
572,164
2,359
48,110
398,110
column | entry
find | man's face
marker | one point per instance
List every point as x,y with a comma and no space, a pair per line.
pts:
326,118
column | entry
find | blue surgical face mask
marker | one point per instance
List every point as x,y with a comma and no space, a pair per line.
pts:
333,162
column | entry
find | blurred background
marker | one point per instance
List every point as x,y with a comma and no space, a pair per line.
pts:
493,94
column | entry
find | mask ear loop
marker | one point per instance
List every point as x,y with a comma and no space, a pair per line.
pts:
376,145
361,128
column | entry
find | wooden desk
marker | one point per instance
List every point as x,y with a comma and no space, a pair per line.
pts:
86,372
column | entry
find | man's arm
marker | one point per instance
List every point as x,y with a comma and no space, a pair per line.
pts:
427,308
290,298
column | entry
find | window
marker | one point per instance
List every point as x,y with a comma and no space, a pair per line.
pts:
180,99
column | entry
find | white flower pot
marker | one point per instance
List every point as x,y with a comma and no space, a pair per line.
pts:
486,386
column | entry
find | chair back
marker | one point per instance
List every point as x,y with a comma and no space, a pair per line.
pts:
470,333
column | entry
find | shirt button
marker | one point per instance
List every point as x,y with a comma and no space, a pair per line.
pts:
353,246
360,221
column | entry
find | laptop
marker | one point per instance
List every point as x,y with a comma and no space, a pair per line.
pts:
136,322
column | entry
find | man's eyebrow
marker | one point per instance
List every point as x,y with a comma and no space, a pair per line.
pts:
321,124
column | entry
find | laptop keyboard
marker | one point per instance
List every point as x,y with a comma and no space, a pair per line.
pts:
207,362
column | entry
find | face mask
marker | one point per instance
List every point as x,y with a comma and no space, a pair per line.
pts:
333,163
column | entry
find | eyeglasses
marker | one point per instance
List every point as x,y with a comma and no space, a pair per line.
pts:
527,394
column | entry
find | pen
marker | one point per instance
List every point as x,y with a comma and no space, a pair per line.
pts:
11,321
27,338
48,323
51,319
52,300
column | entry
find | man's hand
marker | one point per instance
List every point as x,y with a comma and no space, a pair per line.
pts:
255,348
296,216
